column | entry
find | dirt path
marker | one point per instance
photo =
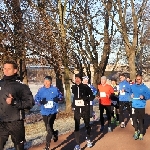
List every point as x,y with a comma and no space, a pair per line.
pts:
119,139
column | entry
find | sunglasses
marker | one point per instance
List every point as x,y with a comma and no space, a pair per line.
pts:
138,79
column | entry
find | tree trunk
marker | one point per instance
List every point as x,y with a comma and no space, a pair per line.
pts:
19,39
132,67
67,88
59,83
106,49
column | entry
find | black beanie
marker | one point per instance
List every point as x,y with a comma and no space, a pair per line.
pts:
78,75
48,78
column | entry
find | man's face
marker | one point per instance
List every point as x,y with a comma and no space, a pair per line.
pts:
128,79
85,81
9,70
122,78
103,81
47,83
77,80
113,82
138,80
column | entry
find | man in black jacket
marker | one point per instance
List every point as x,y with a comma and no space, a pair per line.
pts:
81,106
15,97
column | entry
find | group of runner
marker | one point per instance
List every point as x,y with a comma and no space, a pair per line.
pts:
16,97
114,99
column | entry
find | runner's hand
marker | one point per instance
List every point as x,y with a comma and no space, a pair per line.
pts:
9,99
141,97
132,95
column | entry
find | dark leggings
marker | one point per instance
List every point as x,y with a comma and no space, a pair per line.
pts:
108,113
86,118
122,105
138,119
49,122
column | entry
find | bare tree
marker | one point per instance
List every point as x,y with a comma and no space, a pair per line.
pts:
128,17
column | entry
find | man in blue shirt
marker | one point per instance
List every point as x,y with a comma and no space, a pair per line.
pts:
48,97
124,98
140,93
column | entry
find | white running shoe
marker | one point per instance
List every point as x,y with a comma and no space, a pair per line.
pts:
109,129
122,125
77,147
131,121
89,143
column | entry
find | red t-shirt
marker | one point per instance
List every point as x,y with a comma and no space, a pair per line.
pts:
105,92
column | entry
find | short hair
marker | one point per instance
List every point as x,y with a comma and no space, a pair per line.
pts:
15,66
113,79
122,74
104,77
139,75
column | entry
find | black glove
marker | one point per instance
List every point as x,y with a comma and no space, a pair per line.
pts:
43,101
112,95
56,99
14,102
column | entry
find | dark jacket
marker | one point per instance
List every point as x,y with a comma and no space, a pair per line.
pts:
22,99
82,91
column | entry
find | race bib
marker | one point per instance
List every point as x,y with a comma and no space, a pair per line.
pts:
114,102
133,111
79,102
49,104
122,93
102,94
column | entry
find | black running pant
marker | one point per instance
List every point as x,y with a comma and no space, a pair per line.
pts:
86,117
108,113
49,122
138,118
17,131
122,105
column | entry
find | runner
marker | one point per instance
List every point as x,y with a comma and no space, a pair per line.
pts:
124,99
115,102
48,97
81,106
94,90
105,92
140,93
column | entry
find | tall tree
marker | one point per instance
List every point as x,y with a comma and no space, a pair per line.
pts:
128,17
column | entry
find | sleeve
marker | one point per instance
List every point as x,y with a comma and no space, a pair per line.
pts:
146,93
73,88
37,97
128,88
26,100
60,95
90,94
94,90
111,90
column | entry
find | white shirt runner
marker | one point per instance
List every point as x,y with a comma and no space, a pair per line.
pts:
49,104
79,102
